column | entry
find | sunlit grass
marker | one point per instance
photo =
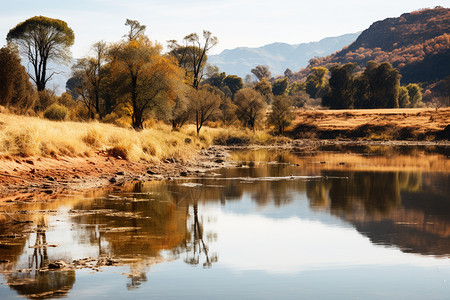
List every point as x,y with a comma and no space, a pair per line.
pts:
32,136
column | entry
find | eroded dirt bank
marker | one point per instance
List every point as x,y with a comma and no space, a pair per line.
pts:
41,179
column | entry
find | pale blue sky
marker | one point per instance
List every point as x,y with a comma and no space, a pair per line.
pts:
236,23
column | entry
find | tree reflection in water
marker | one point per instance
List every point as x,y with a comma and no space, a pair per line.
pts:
35,282
148,223
195,246
39,259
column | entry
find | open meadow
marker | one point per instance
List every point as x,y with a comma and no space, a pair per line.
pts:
373,124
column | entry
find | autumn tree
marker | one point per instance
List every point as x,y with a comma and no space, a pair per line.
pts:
362,96
192,55
295,87
234,83
215,79
41,40
16,89
180,111
250,106
136,30
204,104
282,113
77,86
383,85
288,73
91,72
261,72
248,80
300,98
279,86
210,70
148,77
228,111
264,87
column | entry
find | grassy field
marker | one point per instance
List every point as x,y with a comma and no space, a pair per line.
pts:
37,137
32,136
373,124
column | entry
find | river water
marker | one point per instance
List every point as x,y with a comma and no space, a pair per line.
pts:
336,223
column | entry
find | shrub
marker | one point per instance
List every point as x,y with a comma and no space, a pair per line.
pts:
46,99
55,112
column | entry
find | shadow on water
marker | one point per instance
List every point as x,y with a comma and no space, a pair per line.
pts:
396,198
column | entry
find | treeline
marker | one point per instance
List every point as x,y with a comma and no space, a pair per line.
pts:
416,43
132,81
378,86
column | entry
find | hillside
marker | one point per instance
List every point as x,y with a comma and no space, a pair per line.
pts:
417,43
278,56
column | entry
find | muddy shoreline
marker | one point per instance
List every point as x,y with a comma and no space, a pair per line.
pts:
43,179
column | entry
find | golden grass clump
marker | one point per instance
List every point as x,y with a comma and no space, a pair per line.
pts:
237,137
32,136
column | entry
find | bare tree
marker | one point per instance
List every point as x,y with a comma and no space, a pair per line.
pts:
192,56
204,104
91,73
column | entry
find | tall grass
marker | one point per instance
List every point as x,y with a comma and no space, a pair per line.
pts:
32,136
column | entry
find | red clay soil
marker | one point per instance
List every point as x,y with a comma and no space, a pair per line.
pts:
40,179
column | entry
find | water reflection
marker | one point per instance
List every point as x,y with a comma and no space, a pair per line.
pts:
26,278
398,201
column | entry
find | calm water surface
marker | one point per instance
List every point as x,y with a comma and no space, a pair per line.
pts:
352,223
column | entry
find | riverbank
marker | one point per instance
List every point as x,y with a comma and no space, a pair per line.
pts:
42,179
39,179
42,160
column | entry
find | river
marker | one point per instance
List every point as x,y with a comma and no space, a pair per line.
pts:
335,223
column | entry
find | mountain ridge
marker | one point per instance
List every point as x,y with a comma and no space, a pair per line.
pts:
417,43
278,55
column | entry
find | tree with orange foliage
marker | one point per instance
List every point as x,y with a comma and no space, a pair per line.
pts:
16,90
148,78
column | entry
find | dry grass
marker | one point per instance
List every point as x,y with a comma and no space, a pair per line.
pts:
32,136
408,124
242,137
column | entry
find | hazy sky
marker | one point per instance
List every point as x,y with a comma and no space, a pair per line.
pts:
236,23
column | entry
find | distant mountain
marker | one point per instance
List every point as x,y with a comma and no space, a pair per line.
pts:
417,43
278,56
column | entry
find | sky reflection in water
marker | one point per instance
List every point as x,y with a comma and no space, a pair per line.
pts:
358,223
